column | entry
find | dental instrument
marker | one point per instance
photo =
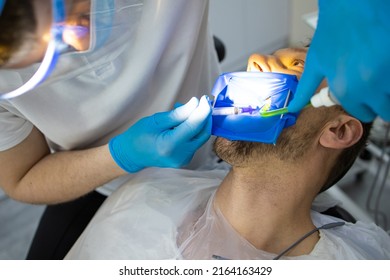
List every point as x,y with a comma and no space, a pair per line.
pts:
223,111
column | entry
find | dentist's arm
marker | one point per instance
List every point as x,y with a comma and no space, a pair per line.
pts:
350,48
30,173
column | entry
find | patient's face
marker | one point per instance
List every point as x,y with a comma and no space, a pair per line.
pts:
293,141
287,61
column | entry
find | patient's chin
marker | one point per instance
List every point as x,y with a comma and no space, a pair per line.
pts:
234,152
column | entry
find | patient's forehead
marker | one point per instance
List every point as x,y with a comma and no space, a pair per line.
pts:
291,52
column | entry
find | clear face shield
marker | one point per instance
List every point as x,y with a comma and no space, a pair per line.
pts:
78,26
63,29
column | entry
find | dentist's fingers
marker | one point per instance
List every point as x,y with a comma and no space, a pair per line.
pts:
204,134
171,119
307,86
194,124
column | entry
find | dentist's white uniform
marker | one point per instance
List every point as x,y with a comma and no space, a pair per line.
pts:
163,55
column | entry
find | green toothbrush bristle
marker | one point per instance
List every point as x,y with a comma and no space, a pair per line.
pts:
274,112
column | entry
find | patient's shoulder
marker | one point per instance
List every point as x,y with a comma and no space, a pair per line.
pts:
360,240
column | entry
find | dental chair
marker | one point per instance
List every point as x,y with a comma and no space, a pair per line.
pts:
220,48
339,212
346,209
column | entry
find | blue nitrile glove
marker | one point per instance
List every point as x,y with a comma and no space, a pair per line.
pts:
351,49
167,139
2,2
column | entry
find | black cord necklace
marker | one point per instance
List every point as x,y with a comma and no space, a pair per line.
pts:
326,226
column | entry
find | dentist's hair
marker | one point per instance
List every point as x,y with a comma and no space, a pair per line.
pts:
17,24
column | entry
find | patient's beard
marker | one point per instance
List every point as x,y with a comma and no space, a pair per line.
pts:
291,145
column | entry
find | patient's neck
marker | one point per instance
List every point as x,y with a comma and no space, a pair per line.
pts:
269,205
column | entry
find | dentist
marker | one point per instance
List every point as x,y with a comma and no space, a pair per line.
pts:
80,84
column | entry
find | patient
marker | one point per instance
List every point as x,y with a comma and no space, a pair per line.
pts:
260,208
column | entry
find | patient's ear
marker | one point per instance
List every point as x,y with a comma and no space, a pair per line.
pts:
342,132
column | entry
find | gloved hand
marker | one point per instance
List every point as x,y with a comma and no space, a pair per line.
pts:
351,49
167,139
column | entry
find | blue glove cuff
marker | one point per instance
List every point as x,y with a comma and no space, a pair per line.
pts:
120,157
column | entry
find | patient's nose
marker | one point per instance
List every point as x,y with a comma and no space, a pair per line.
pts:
258,62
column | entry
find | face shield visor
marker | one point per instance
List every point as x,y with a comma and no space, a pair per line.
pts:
241,97
78,26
